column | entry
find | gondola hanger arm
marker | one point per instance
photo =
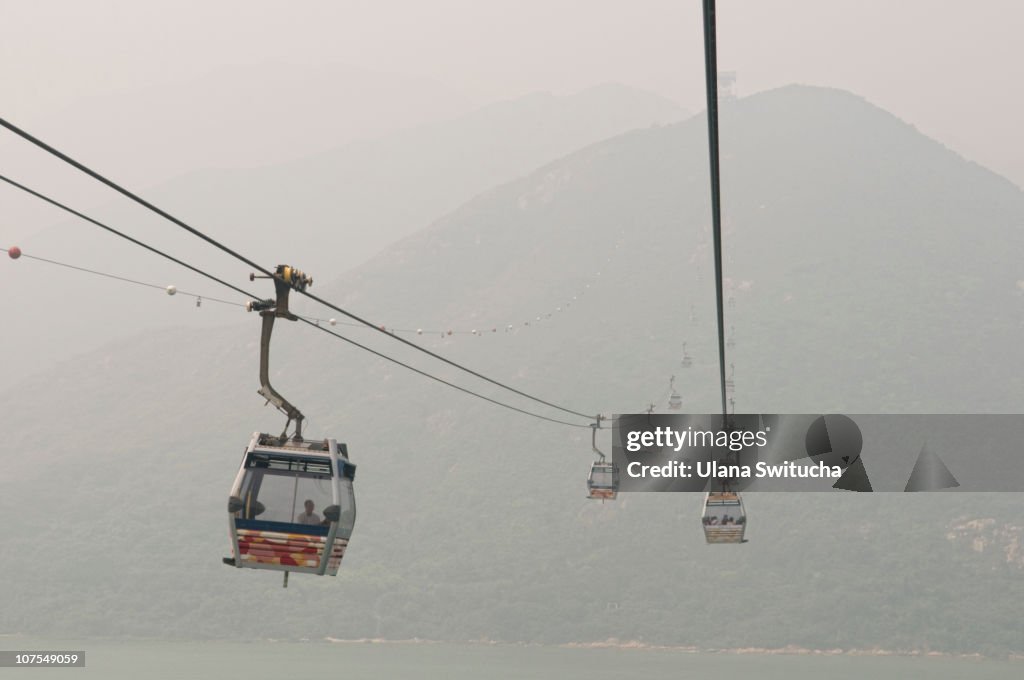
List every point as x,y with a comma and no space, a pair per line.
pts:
286,278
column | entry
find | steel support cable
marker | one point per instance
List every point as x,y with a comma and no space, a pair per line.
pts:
195,232
250,296
444,359
440,380
137,242
711,78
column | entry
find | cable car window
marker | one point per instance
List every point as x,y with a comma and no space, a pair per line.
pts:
347,520
273,461
323,486
273,491
310,500
602,476
275,494
723,511
724,517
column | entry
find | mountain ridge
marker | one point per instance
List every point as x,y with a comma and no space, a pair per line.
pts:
344,200
473,522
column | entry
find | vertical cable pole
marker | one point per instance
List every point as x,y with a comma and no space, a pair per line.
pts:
711,78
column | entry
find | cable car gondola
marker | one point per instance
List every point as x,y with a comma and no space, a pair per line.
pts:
292,506
724,519
687,361
675,401
603,482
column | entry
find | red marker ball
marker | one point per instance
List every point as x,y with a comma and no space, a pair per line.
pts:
14,252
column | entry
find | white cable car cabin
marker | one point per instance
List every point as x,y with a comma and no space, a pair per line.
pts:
603,482
724,518
687,361
675,402
292,506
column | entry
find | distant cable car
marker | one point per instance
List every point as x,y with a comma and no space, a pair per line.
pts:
687,361
603,482
675,402
730,382
292,506
724,519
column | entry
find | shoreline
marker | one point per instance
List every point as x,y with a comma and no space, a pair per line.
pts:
611,643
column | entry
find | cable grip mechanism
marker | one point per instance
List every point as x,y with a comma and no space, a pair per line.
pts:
286,278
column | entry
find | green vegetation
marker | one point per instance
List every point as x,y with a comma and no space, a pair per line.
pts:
872,290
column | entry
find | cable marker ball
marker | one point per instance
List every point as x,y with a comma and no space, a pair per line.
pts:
14,252
171,290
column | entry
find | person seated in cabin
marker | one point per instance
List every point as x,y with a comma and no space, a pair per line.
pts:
308,517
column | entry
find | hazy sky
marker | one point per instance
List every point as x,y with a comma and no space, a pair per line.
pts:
951,68
108,79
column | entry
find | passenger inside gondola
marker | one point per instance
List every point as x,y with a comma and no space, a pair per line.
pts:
308,517
723,520
285,496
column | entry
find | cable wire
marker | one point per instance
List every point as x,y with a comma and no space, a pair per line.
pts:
251,296
440,380
711,78
195,232
137,242
444,359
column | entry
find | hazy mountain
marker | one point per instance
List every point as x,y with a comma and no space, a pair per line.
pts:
860,284
326,213
231,117
241,116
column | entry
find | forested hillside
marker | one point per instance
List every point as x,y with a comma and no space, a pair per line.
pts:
871,270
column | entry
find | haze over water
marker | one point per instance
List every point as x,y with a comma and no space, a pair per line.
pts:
401,661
